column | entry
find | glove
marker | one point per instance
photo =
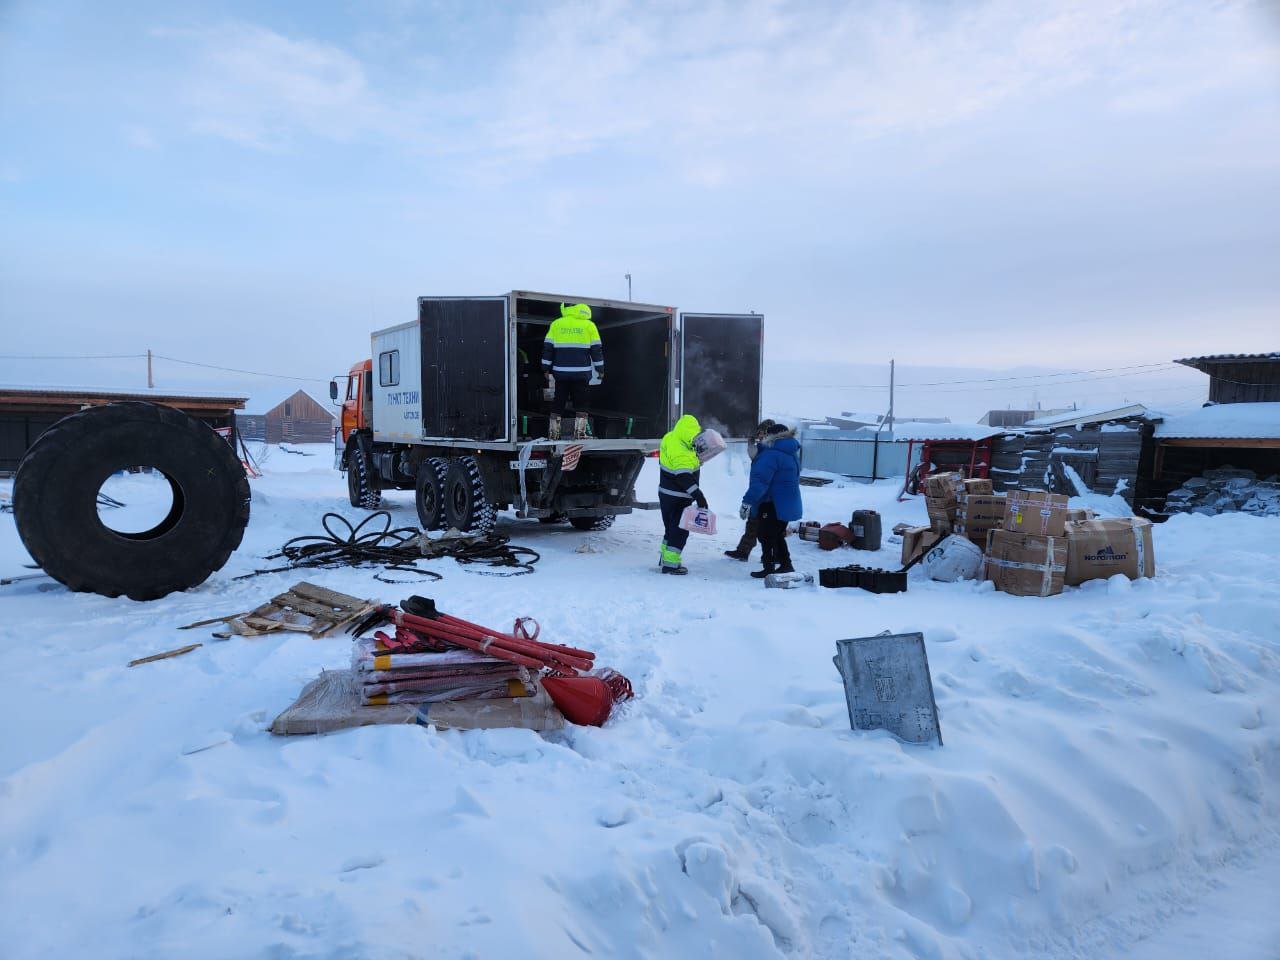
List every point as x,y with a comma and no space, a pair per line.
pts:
744,511
700,499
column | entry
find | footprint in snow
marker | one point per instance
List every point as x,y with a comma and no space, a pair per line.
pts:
367,862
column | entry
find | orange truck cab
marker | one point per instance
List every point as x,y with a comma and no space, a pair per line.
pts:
356,404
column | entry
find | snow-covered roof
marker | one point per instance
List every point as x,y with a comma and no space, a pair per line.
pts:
1092,415
913,430
142,392
1224,421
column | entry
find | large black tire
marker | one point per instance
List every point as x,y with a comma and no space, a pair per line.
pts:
362,483
430,493
56,492
467,508
592,523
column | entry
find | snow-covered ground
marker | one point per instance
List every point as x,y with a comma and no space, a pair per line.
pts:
1110,784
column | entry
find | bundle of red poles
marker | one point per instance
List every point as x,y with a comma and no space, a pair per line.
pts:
583,697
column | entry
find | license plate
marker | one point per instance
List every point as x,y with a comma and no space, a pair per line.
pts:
531,465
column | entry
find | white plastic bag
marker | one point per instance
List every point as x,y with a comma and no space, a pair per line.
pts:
954,558
697,519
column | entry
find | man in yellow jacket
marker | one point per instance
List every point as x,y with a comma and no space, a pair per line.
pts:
573,355
679,463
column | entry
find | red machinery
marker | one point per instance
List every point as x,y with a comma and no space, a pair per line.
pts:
970,457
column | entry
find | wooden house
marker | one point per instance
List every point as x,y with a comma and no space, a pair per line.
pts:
299,418
1239,377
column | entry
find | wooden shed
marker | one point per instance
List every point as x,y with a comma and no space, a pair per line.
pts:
1239,377
299,418
1102,450
27,412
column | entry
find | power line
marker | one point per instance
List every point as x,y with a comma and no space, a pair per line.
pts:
1002,382
73,356
249,373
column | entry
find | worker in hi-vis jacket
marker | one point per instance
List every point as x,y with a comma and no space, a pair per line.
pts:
573,355
680,458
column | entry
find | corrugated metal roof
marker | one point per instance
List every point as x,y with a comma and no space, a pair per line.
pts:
1096,415
1224,421
1225,357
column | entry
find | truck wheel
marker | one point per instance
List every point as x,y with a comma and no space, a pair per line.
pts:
592,523
466,506
55,499
362,484
430,493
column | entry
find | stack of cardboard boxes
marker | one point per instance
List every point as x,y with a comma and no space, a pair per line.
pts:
1034,543
1043,545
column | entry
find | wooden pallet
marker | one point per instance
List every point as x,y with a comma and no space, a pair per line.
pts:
304,608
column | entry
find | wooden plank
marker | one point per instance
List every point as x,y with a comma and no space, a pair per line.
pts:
166,655
1213,443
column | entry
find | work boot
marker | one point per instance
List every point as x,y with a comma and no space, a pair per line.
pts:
735,555
676,571
553,427
785,567
761,574
580,427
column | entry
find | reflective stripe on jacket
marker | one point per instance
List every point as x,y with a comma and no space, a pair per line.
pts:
572,349
679,465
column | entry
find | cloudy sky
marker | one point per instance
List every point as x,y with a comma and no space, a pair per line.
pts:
968,187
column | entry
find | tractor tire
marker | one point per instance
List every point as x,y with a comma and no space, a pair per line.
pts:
430,493
55,500
362,483
592,523
466,506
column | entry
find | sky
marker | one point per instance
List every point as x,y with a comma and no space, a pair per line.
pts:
976,190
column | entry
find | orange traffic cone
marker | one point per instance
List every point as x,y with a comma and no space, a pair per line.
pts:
586,701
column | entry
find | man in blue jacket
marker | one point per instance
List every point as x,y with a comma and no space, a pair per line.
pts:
773,497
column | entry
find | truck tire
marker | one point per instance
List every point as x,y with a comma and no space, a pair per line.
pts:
362,483
592,523
55,499
430,493
466,506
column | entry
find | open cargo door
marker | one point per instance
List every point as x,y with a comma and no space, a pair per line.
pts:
464,367
720,370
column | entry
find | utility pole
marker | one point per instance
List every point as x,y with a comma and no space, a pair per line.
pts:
628,276
891,395
151,383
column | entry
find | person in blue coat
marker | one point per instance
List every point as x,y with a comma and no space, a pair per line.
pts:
773,497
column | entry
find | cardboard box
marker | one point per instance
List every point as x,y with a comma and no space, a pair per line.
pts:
1097,549
1026,565
944,485
941,512
977,514
1080,513
981,487
1036,512
917,540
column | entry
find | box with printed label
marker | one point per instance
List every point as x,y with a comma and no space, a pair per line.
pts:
1097,549
980,486
976,514
1026,565
1036,512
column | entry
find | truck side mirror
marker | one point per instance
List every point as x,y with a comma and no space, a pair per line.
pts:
333,389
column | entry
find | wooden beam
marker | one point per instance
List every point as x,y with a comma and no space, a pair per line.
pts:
1240,443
